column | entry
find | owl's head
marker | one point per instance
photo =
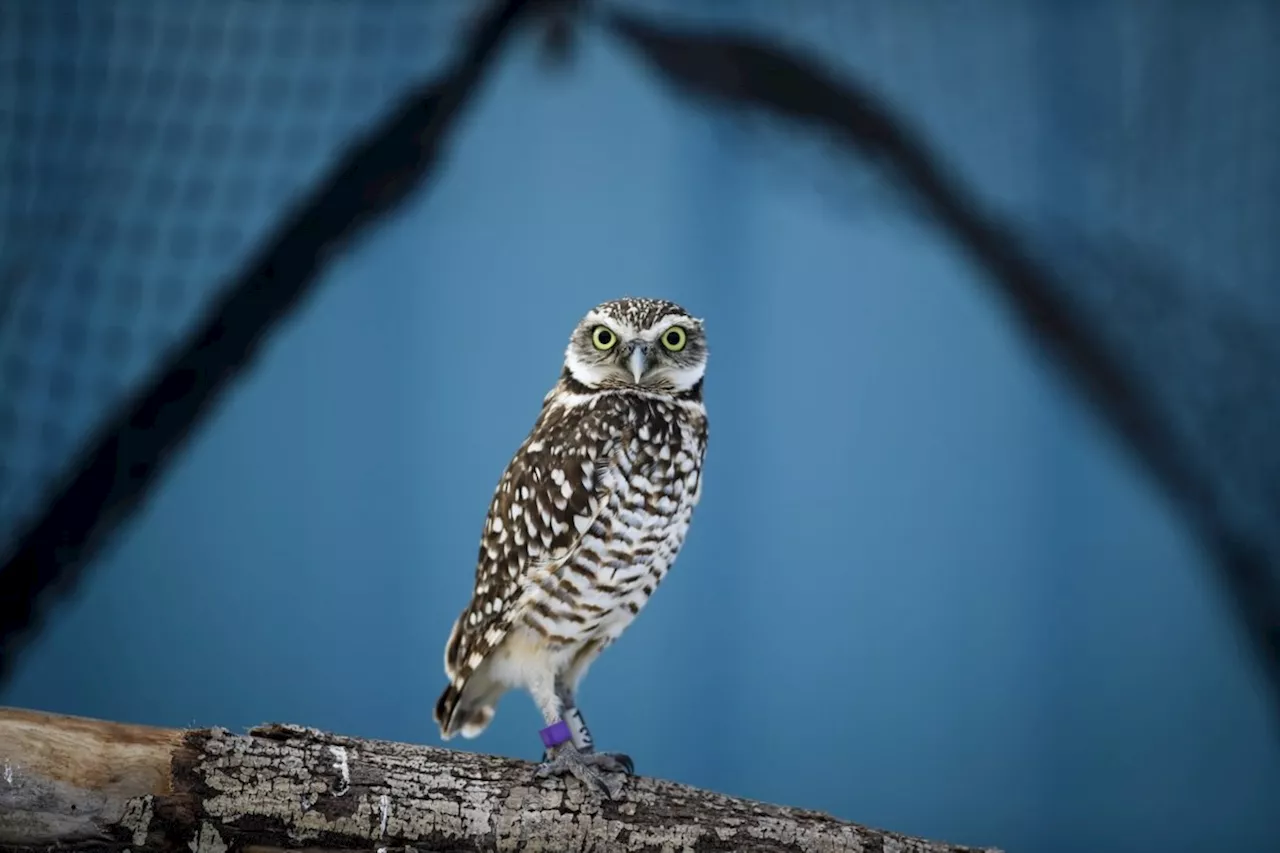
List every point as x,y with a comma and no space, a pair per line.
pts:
638,343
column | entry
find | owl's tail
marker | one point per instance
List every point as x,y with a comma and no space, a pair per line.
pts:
455,717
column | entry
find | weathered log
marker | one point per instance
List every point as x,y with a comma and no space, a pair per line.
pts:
117,788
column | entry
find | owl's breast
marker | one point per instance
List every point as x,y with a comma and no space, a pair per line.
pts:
655,487
643,500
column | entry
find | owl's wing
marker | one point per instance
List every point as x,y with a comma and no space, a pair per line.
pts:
552,492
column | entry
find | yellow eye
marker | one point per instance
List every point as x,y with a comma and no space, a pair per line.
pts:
674,339
603,338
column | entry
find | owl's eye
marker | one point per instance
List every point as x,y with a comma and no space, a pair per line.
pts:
674,339
603,338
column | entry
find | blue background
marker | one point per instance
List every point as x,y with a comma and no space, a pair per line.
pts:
925,589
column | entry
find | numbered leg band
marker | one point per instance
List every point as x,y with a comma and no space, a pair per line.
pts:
556,734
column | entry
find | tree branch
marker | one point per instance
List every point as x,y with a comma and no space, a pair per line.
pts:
87,784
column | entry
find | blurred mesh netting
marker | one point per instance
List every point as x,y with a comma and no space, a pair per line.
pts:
140,172
139,185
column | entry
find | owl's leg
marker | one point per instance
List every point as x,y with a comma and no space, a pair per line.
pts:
582,739
570,714
600,771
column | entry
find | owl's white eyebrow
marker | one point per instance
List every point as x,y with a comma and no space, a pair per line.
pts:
668,321
618,327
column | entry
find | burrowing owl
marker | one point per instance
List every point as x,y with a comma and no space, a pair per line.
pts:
583,526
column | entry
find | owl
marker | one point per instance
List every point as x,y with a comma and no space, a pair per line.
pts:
585,523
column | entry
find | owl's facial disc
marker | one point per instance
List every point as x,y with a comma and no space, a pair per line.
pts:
638,344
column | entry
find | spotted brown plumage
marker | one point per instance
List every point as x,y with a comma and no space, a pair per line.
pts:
585,522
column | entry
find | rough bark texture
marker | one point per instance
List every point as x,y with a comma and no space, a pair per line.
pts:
72,782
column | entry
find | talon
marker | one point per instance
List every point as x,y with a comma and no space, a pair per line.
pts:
601,771
610,788
614,762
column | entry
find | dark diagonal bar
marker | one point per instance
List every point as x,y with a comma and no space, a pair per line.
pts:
748,72
126,457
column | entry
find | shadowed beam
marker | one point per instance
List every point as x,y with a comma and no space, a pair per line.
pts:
130,451
726,71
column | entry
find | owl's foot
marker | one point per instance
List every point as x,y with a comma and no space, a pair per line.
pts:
616,762
602,771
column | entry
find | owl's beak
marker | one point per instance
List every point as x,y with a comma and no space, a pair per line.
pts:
636,361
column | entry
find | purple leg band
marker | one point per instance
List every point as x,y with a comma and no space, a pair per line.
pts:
556,734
